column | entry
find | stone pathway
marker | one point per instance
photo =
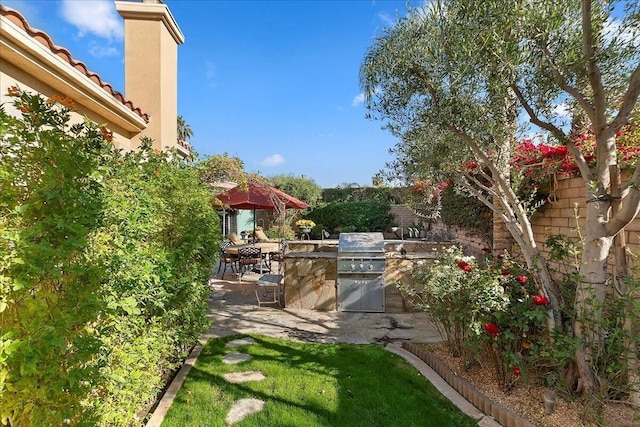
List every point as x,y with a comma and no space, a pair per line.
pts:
242,408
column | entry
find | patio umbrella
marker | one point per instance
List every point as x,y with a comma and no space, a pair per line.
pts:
259,196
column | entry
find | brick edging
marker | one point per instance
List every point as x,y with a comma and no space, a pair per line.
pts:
498,412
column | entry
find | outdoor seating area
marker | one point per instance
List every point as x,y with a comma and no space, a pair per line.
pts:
244,257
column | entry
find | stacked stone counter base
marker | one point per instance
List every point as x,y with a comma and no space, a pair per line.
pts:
493,409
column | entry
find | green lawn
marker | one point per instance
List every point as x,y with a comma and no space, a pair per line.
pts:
312,385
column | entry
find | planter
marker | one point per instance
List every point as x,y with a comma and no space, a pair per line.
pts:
304,229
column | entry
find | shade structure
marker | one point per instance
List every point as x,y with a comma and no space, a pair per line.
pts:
259,196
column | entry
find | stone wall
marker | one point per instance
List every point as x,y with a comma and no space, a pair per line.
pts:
404,217
310,280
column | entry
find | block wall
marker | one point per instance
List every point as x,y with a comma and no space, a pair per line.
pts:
565,214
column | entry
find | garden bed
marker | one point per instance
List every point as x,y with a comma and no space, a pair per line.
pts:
525,400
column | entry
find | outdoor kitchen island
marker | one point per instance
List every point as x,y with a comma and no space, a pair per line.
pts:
312,280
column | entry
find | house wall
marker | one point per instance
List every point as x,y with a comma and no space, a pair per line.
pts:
10,75
30,60
151,66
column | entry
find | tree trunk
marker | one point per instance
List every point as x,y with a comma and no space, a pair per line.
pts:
627,293
590,294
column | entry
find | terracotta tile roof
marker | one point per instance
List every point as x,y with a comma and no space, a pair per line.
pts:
42,37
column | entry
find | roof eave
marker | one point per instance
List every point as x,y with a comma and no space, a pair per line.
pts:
34,58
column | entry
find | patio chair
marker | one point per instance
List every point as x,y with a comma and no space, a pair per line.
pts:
279,256
268,285
248,257
259,236
235,239
226,258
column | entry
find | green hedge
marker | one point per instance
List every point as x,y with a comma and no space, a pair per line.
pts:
104,266
354,216
362,194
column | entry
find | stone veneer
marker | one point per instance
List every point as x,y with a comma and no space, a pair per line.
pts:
310,277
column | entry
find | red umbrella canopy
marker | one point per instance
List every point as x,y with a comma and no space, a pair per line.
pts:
258,196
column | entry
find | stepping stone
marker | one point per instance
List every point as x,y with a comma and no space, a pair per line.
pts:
233,358
218,294
239,342
243,377
242,408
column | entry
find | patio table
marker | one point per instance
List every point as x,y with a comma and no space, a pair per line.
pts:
268,248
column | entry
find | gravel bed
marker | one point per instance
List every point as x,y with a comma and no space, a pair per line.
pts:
526,398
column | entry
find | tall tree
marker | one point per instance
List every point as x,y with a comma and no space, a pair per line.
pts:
444,79
302,188
428,79
184,130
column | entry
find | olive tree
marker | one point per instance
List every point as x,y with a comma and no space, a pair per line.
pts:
450,81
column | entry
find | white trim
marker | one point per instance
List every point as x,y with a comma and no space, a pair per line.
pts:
151,12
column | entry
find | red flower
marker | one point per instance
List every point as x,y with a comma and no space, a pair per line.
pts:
492,329
522,279
464,266
516,371
540,300
471,165
505,272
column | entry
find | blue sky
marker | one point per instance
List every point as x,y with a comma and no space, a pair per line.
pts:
274,83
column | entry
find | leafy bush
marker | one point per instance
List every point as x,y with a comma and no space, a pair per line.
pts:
455,293
466,212
362,194
104,261
495,309
354,216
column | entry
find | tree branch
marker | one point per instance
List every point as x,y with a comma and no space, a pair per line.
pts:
593,71
564,85
630,206
628,102
557,132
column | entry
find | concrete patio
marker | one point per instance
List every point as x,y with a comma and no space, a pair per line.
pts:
234,310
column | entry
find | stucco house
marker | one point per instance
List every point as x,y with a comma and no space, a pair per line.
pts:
30,59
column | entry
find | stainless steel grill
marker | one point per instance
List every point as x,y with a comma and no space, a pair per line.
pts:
361,267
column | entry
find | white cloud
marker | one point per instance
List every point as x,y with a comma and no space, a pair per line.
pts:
100,51
96,17
273,160
562,110
210,70
358,99
386,19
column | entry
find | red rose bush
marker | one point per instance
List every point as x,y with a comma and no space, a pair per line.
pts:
493,310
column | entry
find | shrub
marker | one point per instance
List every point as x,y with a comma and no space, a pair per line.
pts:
455,293
512,334
353,216
104,264
158,247
495,309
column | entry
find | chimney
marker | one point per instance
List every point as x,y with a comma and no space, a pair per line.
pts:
151,39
